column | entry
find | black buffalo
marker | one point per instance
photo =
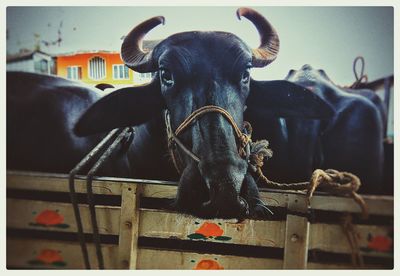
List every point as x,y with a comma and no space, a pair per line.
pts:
41,113
352,140
193,70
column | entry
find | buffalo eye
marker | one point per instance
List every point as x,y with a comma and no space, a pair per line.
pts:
246,76
166,77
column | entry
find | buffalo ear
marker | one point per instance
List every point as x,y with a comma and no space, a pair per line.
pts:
287,100
124,107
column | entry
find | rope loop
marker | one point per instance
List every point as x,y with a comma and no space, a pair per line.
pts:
331,181
244,139
360,78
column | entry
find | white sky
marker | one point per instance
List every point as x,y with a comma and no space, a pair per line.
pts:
325,37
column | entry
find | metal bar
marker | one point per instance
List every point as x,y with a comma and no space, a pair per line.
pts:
72,193
103,158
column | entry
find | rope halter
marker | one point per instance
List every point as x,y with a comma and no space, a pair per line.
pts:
244,138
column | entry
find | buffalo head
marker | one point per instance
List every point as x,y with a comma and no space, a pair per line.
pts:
193,70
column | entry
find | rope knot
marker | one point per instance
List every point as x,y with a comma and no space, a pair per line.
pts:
331,181
258,151
361,78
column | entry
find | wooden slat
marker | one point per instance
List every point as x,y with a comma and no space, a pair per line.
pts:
154,223
129,227
296,235
311,265
163,259
23,214
159,191
331,238
23,253
275,199
58,184
377,205
158,224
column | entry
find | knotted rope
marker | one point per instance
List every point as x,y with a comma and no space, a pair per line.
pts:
331,181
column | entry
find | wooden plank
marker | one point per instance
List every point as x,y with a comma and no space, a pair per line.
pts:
159,224
58,184
163,259
275,199
23,214
296,237
331,238
129,227
311,265
56,216
159,191
46,254
377,205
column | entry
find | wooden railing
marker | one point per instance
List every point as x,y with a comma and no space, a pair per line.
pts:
138,231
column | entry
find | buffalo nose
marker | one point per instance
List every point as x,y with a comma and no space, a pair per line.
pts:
225,202
306,67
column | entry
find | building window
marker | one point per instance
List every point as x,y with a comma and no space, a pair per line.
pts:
97,68
146,76
41,66
142,78
74,72
120,72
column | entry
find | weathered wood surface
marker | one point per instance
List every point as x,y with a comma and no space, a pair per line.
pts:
23,214
56,216
378,205
45,254
129,227
158,224
58,183
312,265
331,238
163,259
169,259
296,234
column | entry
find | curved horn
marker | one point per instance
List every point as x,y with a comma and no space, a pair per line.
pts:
131,50
269,46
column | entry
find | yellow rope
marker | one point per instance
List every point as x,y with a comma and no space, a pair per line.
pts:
353,237
331,181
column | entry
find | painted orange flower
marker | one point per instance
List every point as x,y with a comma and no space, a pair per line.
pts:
49,256
380,243
209,229
49,217
208,264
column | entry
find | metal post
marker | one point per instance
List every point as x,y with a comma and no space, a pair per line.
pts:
72,191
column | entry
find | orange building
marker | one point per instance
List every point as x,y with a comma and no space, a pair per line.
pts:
94,67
